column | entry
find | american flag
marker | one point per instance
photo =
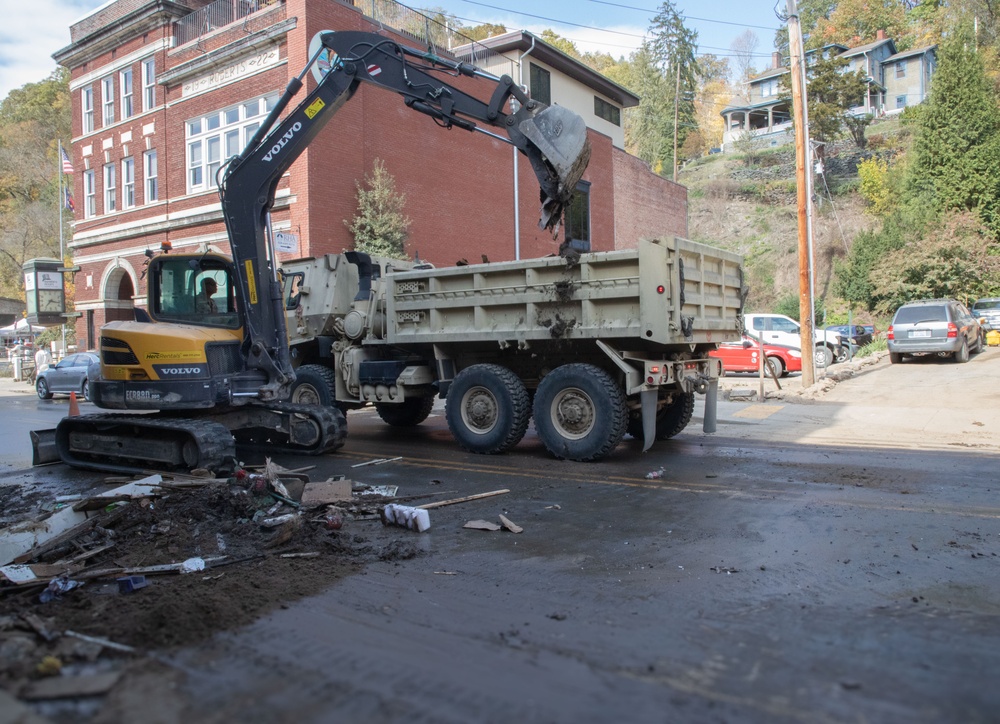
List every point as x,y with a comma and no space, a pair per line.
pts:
67,166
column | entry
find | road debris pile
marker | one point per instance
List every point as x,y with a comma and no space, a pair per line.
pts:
167,561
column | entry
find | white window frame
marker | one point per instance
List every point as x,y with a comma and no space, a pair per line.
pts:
125,83
108,100
128,183
110,188
210,141
150,174
148,84
89,194
87,106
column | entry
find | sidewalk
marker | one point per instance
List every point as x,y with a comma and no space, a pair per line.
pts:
9,386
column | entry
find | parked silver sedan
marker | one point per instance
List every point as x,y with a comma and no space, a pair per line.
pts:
934,326
70,375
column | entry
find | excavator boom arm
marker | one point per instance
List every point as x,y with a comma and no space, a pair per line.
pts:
553,138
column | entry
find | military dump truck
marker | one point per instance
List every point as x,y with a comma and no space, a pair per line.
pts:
592,346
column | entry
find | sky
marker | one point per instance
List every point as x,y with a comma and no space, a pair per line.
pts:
32,30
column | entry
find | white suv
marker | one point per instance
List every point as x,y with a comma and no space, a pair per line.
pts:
785,331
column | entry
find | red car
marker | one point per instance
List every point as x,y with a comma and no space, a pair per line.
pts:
742,357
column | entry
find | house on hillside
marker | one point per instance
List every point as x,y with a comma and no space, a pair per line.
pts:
894,79
164,93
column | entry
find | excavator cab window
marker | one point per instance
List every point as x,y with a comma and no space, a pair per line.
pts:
193,291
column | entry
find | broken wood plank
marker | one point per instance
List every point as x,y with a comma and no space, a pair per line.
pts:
510,525
377,461
481,525
106,643
477,496
330,491
66,687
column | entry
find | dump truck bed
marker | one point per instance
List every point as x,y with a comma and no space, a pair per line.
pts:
667,291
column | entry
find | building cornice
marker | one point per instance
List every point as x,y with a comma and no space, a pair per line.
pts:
110,37
224,56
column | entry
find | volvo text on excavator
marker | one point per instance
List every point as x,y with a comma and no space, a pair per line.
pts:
216,370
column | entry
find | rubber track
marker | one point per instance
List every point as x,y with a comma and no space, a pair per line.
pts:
215,443
330,420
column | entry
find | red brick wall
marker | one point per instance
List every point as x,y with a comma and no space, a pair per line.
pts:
646,205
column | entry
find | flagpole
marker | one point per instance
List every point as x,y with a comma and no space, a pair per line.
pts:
62,254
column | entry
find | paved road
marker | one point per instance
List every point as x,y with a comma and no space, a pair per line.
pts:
820,562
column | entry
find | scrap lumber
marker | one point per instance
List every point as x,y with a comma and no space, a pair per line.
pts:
477,496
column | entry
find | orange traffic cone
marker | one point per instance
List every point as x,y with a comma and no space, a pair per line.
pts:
74,408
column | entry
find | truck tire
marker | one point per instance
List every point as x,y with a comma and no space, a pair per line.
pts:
895,358
408,413
314,385
580,412
824,356
487,409
671,419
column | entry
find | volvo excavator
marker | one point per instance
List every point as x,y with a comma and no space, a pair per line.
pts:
211,366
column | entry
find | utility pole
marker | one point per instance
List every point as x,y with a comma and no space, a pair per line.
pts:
677,93
802,186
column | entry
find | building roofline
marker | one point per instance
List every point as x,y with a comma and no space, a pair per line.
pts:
522,40
907,53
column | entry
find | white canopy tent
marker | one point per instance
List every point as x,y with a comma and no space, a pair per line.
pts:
20,330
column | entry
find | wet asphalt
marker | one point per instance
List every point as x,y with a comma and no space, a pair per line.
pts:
771,574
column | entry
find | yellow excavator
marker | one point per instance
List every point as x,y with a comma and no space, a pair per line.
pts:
212,362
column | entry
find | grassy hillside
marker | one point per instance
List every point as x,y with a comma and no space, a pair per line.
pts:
749,206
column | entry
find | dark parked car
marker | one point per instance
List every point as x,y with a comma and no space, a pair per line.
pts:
988,309
934,326
70,375
857,333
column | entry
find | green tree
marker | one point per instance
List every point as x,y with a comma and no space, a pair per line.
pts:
557,41
32,120
953,259
855,22
484,31
673,46
875,187
810,13
830,91
956,154
379,225
648,127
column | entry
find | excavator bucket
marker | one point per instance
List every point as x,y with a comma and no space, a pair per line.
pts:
555,141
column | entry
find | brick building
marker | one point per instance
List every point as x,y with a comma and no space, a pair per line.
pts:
164,91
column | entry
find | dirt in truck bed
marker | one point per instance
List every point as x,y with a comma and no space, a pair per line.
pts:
247,573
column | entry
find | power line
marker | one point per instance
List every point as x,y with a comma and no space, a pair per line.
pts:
686,17
602,30
553,20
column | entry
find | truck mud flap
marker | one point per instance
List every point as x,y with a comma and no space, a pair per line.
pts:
43,447
648,399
